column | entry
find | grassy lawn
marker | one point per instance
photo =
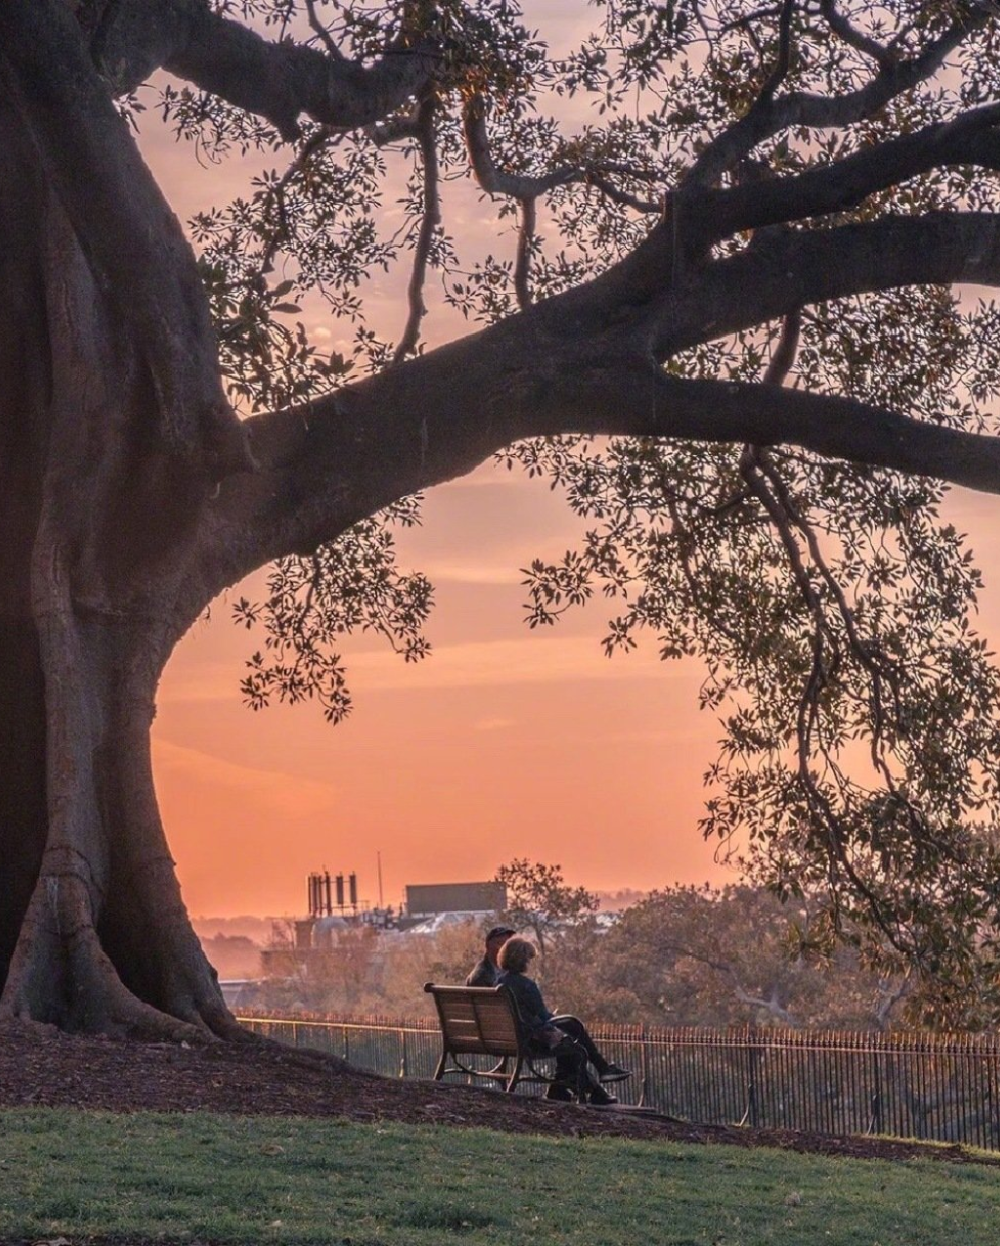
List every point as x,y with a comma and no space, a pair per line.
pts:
181,1178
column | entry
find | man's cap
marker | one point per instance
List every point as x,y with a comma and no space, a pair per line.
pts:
499,932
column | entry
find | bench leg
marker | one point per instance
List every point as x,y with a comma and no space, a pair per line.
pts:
515,1077
439,1071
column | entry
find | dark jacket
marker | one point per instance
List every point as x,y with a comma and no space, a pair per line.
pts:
534,1015
484,974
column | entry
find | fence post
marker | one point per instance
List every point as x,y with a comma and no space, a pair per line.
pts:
754,1053
643,1066
875,1119
403,1070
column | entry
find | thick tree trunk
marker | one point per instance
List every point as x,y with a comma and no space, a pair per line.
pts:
104,942
96,513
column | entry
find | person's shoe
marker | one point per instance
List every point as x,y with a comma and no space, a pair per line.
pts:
615,1073
600,1098
561,1094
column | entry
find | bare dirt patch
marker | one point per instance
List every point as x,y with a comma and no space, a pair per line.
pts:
43,1067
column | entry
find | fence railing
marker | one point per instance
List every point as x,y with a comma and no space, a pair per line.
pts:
909,1085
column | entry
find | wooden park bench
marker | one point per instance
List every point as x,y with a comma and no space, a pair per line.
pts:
484,1021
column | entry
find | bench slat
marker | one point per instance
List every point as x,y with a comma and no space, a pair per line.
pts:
478,1048
454,1010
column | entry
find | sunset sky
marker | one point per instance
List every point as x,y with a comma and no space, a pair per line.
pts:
505,742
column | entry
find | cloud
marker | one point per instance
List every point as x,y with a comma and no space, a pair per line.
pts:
489,475
533,659
191,771
494,724
203,682
448,571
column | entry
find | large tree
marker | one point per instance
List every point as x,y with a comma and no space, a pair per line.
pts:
740,269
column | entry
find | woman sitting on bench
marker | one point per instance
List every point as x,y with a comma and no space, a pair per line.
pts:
565,1038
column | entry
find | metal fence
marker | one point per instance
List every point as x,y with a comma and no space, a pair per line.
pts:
941,1088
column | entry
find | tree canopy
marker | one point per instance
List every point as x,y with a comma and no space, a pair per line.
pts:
734,955
540,900
731,309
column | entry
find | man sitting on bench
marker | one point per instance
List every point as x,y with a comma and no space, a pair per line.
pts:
566,1038
487,972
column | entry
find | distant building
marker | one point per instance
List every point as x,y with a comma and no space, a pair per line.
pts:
429,899
238,992
445,921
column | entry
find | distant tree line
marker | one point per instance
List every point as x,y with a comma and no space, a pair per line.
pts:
680,956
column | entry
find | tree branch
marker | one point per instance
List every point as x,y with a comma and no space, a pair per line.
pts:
277,81
835,427
429,221
439,416
133,243
396,129
766,484
623,198
496,181
581,363
522,265
784,61
527,189
793,268
771,1005
843,29
771,115
970,139
784,353
321,32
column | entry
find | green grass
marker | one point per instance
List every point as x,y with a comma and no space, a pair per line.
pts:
196,1177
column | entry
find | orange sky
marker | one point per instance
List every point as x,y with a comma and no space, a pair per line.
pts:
504,743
